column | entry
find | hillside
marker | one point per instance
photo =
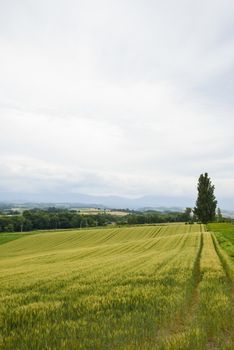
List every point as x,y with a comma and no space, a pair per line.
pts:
146,287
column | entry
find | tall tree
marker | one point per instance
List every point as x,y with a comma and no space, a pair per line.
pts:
206,203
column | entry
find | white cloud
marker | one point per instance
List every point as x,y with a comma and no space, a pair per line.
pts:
116,97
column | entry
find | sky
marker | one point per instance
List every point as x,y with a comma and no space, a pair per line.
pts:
127,97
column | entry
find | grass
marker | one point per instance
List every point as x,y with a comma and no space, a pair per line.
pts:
7,237
225,235
153,287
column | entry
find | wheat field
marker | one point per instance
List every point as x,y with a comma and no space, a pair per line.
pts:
167,287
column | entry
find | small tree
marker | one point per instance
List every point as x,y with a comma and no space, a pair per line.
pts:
219,215
9,228
206,203
188,214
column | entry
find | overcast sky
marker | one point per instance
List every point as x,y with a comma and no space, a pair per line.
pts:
127,97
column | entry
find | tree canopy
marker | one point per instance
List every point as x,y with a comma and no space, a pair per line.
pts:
206,203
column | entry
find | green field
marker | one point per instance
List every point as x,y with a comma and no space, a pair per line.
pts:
225,235
149,287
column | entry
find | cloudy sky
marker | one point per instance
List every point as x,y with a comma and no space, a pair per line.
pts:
127,97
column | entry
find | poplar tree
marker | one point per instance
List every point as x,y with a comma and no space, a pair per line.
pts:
206,203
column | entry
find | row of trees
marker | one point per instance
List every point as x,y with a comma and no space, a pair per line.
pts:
40,219
152,217
52,218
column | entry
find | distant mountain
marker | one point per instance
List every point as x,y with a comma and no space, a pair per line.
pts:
228,214
84,200
98,201
162,209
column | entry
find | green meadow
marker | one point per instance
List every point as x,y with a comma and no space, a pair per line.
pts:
167,287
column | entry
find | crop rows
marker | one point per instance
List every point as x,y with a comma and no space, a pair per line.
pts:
150,287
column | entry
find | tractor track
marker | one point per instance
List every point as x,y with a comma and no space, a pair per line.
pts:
228,272
183,320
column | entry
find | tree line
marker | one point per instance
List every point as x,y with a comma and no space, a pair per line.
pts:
53,218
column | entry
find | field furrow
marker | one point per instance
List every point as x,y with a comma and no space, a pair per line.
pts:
146,287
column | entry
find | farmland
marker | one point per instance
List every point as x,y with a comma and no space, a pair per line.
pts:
167,287
225,235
